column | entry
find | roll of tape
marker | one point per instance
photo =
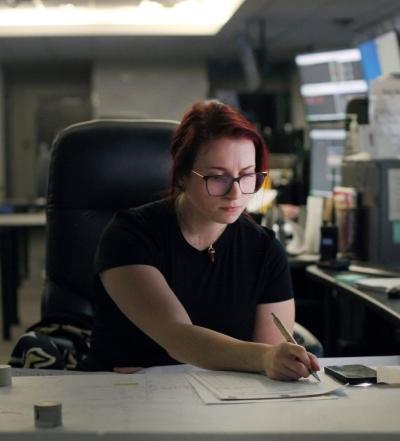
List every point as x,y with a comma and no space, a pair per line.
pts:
48,414
5,375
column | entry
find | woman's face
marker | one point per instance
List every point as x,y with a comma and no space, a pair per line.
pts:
223,156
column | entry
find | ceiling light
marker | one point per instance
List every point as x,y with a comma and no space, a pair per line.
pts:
188,17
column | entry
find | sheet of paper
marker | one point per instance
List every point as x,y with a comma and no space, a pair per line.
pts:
312,232
209,398
384,116
388,374
378,283
226,385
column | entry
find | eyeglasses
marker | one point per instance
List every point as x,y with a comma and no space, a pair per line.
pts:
221,185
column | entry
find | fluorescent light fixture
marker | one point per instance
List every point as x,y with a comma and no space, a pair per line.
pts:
327,117
188,17
334,88
328,134
342,56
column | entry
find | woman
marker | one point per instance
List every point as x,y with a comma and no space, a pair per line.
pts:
191,278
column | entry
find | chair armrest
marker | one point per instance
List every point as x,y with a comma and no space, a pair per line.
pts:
305,338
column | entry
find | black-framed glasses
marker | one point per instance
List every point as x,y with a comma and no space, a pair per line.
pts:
221,185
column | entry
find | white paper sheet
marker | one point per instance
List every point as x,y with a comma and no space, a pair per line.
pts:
388,374
209,398
379,284
226,385
312,233
384,116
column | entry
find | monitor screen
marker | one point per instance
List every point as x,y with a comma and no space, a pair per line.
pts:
327,150
328,81
380,56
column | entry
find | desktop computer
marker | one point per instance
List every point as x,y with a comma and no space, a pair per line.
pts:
327,147
378,185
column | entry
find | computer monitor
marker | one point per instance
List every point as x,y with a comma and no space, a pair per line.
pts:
380,56
326,153
328,81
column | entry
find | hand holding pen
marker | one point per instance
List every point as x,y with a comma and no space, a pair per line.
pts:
289,338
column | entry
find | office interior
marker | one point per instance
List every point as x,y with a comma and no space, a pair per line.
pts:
258,63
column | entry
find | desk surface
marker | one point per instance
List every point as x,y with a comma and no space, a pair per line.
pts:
23,219
379,301
168,408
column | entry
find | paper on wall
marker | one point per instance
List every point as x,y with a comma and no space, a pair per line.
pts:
384,116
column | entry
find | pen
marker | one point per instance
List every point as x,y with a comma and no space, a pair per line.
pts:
289,338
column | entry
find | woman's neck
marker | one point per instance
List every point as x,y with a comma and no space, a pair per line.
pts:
199,232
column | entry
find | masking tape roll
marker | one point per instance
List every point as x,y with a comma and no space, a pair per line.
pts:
5,375
48,414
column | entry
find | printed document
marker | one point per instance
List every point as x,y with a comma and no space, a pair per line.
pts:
227,385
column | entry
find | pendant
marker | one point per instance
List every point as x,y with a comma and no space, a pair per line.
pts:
211,253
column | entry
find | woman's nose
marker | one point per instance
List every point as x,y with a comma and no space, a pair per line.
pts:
235,191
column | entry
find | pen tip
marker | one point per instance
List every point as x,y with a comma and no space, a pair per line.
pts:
316,376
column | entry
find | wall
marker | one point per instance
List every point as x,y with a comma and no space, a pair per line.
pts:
2,138
131,90
39,104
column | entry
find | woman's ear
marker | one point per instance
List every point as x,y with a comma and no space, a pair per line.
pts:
182,183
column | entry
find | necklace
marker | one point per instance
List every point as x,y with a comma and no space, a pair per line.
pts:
210,250
211,253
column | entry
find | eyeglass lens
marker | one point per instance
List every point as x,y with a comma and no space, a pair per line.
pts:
222,184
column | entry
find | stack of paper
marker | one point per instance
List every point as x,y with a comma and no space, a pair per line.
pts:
215,387
378,284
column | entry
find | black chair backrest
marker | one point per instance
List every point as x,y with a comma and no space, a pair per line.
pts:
96,168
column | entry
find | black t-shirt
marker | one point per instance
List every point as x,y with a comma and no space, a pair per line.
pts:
250,268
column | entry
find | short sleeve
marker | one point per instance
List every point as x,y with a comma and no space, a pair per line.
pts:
276,280
127,240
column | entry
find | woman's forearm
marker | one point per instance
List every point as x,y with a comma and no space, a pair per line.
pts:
209,349
212,350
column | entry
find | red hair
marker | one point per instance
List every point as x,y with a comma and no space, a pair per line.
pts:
203,122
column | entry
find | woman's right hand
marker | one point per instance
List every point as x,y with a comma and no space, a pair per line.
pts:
288,361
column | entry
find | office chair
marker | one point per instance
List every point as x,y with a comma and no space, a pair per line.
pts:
96,168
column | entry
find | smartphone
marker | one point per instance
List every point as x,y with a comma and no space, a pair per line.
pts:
352,373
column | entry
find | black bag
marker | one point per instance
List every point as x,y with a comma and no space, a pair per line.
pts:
52,343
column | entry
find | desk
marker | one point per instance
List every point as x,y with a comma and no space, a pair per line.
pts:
171,412
11,225
348,311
